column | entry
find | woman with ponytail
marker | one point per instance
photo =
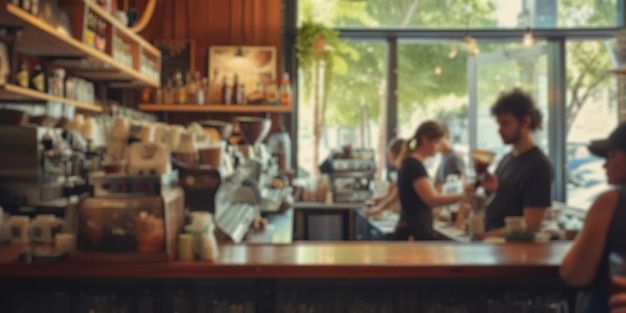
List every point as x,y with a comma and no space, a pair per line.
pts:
417,193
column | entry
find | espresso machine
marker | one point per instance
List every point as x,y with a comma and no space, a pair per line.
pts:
351,174
41,169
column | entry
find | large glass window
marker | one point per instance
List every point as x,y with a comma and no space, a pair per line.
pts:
432,84
439,79
355,106
591,114
455,14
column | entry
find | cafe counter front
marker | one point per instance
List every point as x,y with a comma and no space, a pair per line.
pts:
305,277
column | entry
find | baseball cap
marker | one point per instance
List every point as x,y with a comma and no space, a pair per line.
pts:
617,140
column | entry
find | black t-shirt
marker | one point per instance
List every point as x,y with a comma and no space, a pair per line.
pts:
523,181
416,218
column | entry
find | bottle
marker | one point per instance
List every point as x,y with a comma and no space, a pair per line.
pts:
38,79
179,89
168,93
452,186
271,91
241,95
21,77
202,89
192,89
214,94
280,147
226,96
235,92
285,90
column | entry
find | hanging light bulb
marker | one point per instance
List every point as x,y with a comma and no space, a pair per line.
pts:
453,51
528,38
471,46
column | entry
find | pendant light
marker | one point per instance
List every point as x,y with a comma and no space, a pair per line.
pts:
239,52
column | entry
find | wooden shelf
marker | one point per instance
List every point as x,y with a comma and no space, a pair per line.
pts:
216,108
41,39
621,70
10,92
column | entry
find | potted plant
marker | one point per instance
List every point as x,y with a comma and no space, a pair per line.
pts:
315,44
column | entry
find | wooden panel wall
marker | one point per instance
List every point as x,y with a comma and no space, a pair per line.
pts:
216,22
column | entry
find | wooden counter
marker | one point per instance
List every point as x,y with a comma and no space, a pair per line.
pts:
331,260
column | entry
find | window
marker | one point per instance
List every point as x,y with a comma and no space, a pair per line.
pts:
427,83
591,114
355,110
459,14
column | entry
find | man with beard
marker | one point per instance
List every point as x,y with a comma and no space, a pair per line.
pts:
522,182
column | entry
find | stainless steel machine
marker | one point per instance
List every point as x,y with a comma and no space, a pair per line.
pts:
42,167
351,175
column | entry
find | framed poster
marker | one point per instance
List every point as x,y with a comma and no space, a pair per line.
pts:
253,65
176,55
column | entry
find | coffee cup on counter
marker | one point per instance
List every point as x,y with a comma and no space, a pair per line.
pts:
515,224
65,242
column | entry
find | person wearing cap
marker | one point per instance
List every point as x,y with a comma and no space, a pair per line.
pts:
587,261
521,185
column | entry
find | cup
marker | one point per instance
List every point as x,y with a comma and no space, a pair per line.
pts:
185,247
617,268
65,242
515,224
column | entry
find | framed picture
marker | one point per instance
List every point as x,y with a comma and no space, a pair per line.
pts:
251,64
176,55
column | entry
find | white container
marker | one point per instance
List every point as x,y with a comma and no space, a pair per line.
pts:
146,158
452,186
18,229
208,248
515,224
146,133
120,128
477,224
202,222
174,137
88,130
161,131
44,227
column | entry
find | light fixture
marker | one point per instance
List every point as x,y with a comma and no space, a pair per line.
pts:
528,38
239,52
453,51
471,46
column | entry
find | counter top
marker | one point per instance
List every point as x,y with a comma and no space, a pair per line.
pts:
325,206
279,229
330,260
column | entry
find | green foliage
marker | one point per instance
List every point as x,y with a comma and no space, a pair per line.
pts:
360,66
307,34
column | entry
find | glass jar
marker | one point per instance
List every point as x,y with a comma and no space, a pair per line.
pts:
280,147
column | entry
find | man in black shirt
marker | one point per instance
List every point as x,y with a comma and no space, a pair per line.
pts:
522,182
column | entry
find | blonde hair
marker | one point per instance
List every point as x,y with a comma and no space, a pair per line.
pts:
431,129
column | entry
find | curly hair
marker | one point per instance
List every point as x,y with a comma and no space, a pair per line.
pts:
520,105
